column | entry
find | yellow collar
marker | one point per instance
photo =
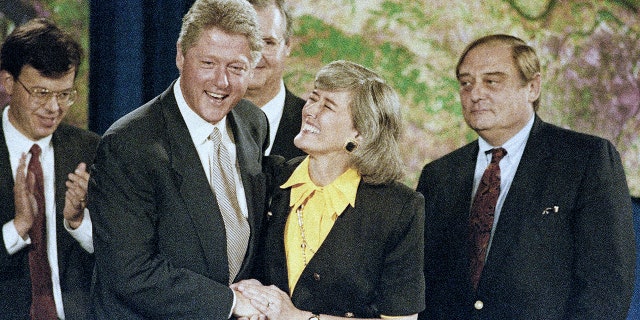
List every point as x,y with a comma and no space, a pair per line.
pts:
337,195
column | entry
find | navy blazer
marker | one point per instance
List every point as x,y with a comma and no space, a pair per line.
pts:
576,263
289,127
369,264
159,237
71,146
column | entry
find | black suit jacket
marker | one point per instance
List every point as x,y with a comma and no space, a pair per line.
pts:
159,236
577,263
71,146
369,264
289,128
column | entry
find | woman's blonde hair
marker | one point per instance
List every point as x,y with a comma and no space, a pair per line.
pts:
375,113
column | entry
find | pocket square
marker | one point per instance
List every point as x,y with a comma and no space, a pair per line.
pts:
553,209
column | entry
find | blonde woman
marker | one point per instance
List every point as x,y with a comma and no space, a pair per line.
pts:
345,239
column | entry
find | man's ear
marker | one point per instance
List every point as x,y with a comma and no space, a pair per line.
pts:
7,81
534,88
179,57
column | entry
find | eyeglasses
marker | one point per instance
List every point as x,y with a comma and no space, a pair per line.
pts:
42,96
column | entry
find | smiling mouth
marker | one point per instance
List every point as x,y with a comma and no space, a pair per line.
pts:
217,96
310,129
47,121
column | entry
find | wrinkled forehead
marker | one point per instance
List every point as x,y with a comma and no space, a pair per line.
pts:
488,58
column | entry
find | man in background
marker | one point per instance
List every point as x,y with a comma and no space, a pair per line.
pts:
530,221
46,260
266,88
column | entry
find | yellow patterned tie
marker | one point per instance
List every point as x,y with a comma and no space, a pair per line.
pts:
235,224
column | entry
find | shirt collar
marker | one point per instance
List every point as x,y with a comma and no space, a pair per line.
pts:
339,194
274,107
199,129
274,110
513,146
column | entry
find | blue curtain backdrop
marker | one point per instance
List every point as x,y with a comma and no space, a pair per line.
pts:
132,54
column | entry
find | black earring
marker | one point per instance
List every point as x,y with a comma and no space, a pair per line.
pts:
350,145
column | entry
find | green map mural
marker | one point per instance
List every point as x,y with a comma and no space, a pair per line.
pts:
590,52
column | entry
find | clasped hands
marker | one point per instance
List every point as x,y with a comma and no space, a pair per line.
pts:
255,301
27,208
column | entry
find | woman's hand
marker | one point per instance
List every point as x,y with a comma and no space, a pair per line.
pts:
270,301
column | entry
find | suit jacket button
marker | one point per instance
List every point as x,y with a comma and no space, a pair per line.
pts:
349,315
316,276
478,305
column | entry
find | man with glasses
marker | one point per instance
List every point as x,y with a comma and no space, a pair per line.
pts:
46,259
266,88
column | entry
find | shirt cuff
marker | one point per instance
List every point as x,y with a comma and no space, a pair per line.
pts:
233,306
84,233
12,240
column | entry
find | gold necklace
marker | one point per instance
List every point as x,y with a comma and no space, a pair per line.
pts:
304,245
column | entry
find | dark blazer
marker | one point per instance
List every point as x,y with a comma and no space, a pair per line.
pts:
289,127
369,264
576,263
71,146
158,233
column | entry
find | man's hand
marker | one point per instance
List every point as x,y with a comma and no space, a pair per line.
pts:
25,202
76,196
244,309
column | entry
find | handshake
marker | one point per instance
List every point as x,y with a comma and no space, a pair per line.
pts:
255,301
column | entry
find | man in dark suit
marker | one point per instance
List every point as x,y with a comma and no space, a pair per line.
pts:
38,66
166,245
266,88
560,237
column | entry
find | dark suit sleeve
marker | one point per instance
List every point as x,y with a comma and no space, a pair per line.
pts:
134,276
604,239
402,278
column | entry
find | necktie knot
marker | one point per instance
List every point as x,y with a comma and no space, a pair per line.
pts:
216,136
35,150
497,154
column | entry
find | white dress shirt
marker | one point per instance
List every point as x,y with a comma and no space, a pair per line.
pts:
274,109
508,165
18,144
199,129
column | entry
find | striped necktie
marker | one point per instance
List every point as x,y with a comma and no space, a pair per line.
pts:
236,225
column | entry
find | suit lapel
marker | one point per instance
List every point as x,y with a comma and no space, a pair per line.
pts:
528,184
289,127
278,262
64,155
247,152
454,218
193,186
253,181
7,208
